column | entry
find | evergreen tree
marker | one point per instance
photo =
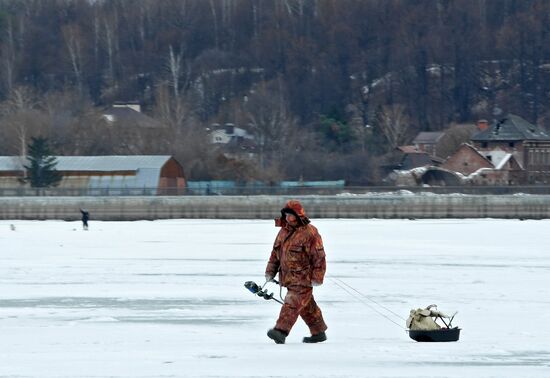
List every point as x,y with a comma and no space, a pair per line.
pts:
41,169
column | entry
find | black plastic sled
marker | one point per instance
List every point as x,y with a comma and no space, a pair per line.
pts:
439,335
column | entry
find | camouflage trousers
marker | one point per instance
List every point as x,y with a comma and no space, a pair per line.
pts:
300,302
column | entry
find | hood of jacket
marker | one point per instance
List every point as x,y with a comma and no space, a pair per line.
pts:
295,208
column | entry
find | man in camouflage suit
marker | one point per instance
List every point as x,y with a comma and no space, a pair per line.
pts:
299,258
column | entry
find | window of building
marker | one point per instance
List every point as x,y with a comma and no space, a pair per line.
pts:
484,144
511,144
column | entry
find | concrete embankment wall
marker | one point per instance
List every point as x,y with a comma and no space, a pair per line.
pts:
267,207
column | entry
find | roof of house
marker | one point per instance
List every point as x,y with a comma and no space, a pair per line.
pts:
11,163
110,163
130,116
415,160
427,137
409,150
511,127
92,163
236,132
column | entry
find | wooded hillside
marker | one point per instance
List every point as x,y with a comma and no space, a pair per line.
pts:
328,87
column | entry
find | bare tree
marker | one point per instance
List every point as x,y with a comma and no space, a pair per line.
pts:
8,55
174,66
171,111
73,41
20,113
394,123
172,107
454,137
110,39
215,22
270,120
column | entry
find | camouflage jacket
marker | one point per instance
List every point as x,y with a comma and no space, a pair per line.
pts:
298,256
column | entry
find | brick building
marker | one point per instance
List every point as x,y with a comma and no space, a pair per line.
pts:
466,160
528,145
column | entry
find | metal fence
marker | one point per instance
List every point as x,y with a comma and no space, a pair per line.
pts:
270,190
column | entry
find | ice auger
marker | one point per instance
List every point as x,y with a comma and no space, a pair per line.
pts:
254,288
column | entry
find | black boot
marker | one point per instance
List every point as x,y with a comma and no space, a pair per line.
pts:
318,338
277,335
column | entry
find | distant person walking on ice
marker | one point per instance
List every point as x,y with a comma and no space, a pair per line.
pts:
299,258
85,218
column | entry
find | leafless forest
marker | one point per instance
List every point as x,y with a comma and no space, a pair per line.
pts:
328,87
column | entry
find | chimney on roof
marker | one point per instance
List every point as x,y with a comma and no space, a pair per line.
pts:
229,128
134,105
482,124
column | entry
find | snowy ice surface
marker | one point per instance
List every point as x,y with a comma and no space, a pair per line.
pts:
166,299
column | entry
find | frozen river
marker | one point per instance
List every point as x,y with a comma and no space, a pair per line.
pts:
166,299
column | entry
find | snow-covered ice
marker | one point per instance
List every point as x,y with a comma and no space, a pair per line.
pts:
166,299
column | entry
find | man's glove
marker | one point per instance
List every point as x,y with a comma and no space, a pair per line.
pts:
315,283
268,278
